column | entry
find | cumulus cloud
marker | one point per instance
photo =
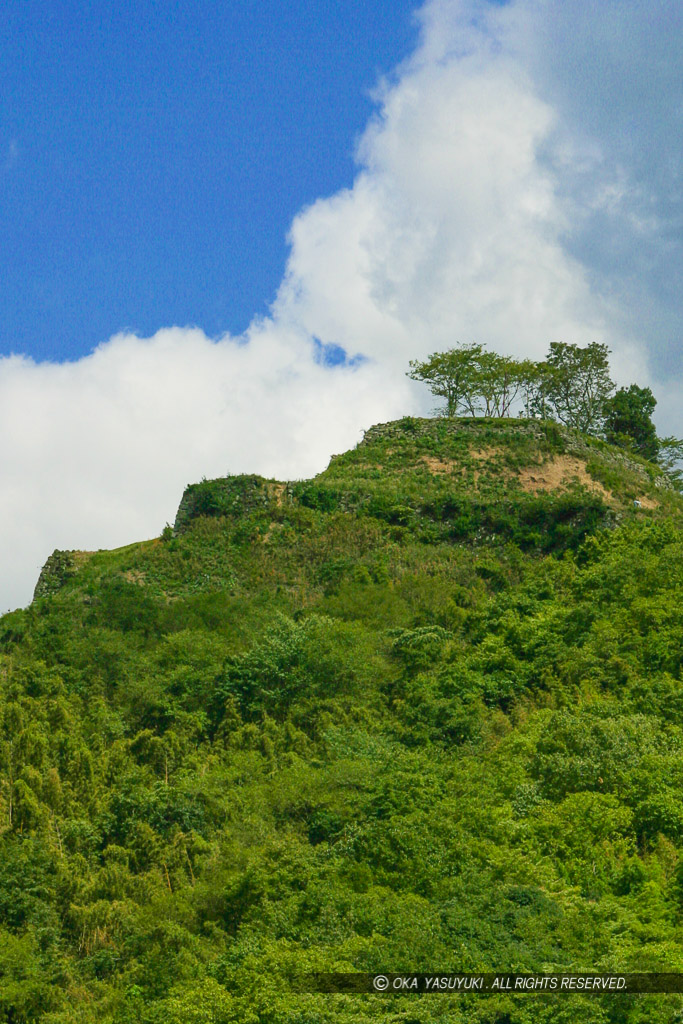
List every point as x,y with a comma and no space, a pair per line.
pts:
96,453
498,199
451,230
613,72
520,183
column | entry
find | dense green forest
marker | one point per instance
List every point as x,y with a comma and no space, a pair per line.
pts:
422,712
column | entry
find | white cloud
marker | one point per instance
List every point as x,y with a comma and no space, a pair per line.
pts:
481,201
456,226
613,73
96,453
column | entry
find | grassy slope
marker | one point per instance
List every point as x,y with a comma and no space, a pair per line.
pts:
422,712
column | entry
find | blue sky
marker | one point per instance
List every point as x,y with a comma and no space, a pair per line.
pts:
153,155
201,203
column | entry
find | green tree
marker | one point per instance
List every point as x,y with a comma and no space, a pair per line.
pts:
450,375
575,382
499,382
628,420
670,456
473,381
531,377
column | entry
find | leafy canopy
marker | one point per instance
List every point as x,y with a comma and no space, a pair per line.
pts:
628,420
572,385
473,381
451,375
576,383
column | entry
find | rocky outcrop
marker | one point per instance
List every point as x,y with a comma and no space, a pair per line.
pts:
59,568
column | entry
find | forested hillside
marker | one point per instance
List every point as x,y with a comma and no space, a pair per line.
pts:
422,712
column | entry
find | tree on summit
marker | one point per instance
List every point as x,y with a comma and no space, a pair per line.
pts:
628,421
474,382
450,375
501,380
576,384
572,385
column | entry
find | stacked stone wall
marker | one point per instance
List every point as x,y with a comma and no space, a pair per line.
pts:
59,567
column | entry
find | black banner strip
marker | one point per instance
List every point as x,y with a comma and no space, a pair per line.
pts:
447,981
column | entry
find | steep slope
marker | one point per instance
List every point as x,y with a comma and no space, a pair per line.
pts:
422,712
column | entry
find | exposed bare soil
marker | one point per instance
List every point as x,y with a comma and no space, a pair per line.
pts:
437,465
558,472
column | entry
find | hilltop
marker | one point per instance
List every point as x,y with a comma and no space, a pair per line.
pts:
464,480
421,712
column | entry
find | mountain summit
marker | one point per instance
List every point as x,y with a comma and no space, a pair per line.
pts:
475,481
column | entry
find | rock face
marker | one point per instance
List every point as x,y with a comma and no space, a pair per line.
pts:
59,567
